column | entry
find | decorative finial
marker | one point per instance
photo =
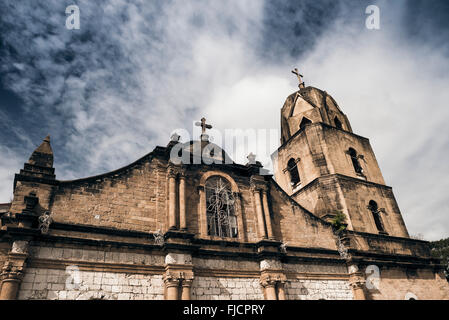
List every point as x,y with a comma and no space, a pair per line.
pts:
300,76
204,126
175,137
251,158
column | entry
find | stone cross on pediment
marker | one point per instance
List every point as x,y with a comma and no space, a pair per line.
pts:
203,125
300,76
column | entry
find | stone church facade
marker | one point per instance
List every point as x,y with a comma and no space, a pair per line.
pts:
192,229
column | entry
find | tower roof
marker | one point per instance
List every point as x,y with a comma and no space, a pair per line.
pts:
43,155
312,104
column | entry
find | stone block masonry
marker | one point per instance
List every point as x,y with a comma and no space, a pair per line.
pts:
53,284
214,288
318,289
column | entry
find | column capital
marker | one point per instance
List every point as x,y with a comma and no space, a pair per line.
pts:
254,188
187,283
270,280
357,284
171,173
357,280
170,281
12,272
258,186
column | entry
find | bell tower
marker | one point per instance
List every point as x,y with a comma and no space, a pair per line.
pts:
327,168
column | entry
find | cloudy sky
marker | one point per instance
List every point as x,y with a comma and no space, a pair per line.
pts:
135,71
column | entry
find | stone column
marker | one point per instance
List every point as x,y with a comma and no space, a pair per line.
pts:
10,286
12,271
182,202
270,291
266,210
269,287
202,210
260,220
172,286
357,282
281,291
171,200
358,290
239,214
186,289
178,276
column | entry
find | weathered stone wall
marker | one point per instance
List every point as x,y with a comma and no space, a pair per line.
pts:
308,147
336,269
318,289
296,227
63,272
54,284
134,199
399,284
221,288
229,264
43,192
322,150
352,198
357,196
4,249
338,143
79,254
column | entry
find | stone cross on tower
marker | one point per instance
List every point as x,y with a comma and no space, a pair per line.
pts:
203,126
300,76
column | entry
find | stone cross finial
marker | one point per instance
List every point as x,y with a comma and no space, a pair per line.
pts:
300,76
203,125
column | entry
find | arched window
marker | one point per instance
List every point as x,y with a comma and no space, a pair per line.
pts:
338,124
376,215
355,161
221,218
294,172
304,122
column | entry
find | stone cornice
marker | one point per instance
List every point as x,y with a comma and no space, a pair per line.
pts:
231,249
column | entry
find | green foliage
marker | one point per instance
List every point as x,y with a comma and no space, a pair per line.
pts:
339,222
440,250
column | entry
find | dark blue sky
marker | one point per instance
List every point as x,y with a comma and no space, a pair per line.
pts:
137,70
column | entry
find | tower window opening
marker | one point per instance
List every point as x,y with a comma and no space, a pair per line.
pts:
338,124
294,172
376,215
355,161
304,123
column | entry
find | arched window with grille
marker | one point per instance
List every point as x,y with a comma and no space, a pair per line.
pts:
355,161
372,206
220,205
292,168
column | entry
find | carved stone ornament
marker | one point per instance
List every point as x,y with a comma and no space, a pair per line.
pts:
159,238
44,222
20,247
